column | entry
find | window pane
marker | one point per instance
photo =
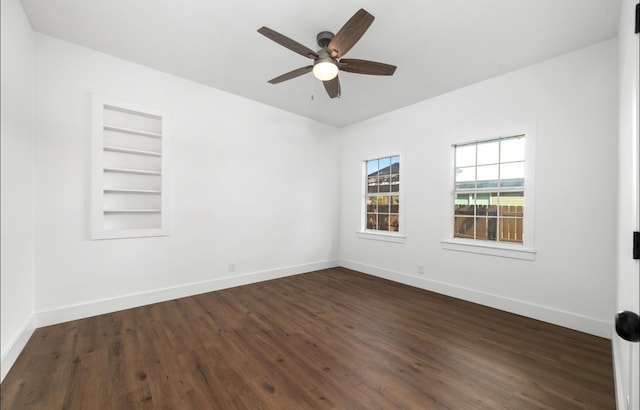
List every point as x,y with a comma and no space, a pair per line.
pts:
465,177
486,229
465,155
487,176
372,185
511,230
371,205
512,175
464,199
395,183
385,166
395,204
492,229
488,152
512,198
372,221
372,167
464,204
481,228
383,204
464,210
511,214
511,203
483,199
512,149
482,203
394,222
463,227
383,222
384,183
395,165
511,210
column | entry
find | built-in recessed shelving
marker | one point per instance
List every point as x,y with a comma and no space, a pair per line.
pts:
133,171
129,177
132,191
132,131
132,211
133,151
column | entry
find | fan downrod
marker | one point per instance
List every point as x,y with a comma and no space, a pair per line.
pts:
324,38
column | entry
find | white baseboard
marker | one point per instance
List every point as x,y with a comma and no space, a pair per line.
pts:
15,346
544,313
98,307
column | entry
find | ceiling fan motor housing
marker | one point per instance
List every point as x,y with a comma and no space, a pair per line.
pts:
324,38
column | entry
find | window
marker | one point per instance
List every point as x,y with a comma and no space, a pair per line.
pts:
489,190
492,201
382,194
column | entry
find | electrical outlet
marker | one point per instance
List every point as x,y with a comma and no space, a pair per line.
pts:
421,269
232,267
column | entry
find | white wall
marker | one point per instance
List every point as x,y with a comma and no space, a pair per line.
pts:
258,187
17,196
626,354
573,101
250,185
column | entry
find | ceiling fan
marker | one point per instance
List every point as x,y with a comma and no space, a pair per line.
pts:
328,60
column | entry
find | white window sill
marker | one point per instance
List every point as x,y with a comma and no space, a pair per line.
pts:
379,236
504,251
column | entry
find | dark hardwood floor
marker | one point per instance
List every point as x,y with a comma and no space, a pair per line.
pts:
328,339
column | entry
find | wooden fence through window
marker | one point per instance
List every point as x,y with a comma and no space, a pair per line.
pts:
507,227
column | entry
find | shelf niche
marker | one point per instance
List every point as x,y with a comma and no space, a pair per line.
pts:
129,175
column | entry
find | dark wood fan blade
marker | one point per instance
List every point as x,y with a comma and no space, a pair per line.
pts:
353,65
350,33
332,87
291,74
287,42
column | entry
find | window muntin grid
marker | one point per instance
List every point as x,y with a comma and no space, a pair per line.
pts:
382,200
489,190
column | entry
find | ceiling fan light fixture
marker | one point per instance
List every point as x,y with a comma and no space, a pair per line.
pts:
325,69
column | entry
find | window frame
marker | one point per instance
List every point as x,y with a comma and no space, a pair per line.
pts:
526,250
374,234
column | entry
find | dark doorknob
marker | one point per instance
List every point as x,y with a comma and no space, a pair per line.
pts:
628,326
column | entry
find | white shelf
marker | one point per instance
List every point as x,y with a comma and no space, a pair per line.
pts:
132,171
132,151
132,211
132,191
130,181
132,131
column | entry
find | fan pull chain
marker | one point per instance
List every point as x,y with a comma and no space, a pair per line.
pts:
312,87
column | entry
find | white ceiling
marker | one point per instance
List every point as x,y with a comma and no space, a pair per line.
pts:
438,45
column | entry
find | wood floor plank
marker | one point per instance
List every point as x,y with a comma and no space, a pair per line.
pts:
86,382
328,339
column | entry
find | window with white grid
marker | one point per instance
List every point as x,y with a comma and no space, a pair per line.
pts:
491,209
382,194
